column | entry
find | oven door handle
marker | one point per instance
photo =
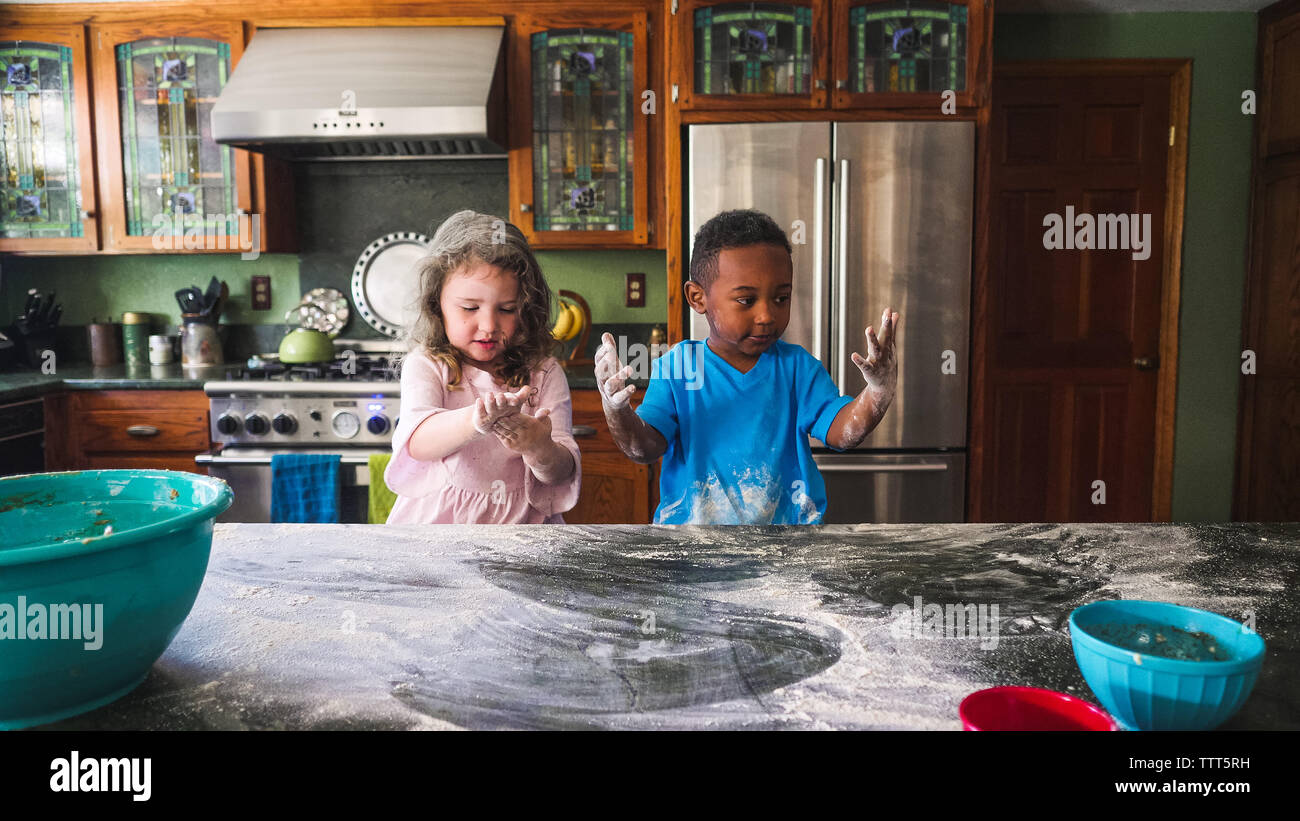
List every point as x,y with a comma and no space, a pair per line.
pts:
221,459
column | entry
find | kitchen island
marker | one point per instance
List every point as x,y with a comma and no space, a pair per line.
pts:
644,627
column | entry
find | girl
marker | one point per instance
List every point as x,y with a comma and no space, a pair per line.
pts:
485,432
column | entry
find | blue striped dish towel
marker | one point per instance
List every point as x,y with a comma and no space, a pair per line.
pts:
305,487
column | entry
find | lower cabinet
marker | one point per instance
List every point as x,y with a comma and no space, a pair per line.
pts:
89,430
615,490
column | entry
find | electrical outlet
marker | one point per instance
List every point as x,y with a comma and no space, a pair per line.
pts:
635,291
261,289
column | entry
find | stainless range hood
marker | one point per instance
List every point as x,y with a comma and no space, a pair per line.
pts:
367,93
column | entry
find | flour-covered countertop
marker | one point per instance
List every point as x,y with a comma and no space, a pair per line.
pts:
356,626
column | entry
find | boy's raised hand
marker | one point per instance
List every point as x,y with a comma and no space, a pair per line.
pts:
880,367
611,376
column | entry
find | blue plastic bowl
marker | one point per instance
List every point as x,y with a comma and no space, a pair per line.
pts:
106,565
1151,692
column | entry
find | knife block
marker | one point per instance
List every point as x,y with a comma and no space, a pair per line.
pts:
32,345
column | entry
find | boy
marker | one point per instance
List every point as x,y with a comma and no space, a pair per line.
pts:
736,449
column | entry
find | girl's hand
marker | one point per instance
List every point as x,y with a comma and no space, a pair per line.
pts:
490,409
523,433
880,368
611,376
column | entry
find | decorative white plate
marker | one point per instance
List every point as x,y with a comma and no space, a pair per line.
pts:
385,282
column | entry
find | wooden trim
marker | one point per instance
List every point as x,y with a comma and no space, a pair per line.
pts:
674,253
845,116
1263,163
324,21
979,316
73,37
1179,72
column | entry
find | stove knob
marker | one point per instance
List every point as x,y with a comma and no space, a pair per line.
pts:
256,424
377,424
228,424
284,423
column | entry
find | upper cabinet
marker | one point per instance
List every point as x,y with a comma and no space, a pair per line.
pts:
815,54
144,174
45,141
161,174
578,165
752,55
907,53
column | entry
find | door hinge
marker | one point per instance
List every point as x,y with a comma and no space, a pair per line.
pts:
1171,134
674,6
674,92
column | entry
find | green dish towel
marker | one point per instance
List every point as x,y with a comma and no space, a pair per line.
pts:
381,498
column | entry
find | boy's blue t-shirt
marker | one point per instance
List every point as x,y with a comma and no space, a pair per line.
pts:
738,449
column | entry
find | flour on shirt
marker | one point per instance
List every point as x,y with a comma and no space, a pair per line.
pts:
751,497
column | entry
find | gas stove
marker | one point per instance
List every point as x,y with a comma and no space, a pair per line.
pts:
352,401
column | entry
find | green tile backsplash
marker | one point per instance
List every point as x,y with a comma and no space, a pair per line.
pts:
342,207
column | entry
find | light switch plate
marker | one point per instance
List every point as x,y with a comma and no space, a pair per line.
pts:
635,291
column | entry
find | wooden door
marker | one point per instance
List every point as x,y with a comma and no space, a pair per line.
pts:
1066,394
1268,430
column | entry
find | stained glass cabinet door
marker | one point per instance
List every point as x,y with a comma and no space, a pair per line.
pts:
752,55
579,151
908,53
47,181
167,185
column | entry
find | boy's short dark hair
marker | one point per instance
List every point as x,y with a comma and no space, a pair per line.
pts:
731,229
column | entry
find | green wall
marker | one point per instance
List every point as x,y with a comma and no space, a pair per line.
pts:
1222,50
94,287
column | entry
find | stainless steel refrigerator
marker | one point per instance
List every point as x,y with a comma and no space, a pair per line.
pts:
884,212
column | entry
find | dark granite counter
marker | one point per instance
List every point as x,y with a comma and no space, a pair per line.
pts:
331,626
16,385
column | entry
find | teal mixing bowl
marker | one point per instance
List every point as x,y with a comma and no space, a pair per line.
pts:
1160,666
98,569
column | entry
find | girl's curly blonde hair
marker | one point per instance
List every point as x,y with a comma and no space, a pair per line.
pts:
464,239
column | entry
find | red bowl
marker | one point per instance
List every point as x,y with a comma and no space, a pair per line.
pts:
1030,708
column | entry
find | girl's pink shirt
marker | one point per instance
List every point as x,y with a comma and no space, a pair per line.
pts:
484,482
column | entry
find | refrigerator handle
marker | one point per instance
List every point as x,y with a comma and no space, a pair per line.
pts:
819,259
842,276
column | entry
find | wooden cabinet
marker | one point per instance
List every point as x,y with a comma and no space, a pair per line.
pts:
166,185
841,54
126,429
47,184
578,129
741,55
909,53
158,182
615,490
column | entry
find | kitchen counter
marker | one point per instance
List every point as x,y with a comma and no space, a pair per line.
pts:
16,385
374,626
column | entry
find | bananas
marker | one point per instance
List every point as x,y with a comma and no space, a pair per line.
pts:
570,322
